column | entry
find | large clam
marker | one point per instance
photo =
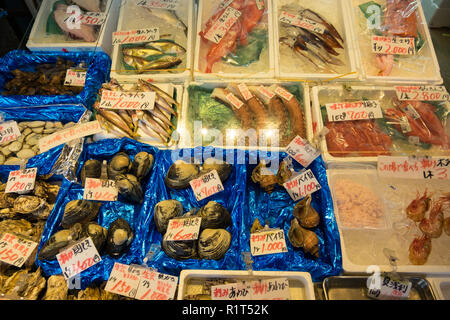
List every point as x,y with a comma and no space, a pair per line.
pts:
180,250
306,214
129,187
142,165
119,164
214,216
97,233
164,211
79,211
223,168
91,169
213,243
58,241
180,174
303,238
119,238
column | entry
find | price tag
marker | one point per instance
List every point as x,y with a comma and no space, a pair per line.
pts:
245,92
78,258
409,110
93,18
223,24
422,93
267,289
231,291
124,280
302,151
9,131
284,94
234,100
266,92
270,242
100,190
393,45
207,185
183,229
433,168
350,111
389,289
127,100
302,22
21,181
156,286
15,250
75,132
302,185
135,36
75,78
159,4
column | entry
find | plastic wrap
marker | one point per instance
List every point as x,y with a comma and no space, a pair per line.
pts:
109,211
98,72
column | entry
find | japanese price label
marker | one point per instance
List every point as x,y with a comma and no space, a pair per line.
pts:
393,45
127,100
302,151
422,93
270,242
245,92
78,258
15,250
159,4
9,131
301,22
409,110
223,24
414,168
100,190
388,288
93,18
135,36
231,291
156,286
302,185
284,94
266,92
124,280
235,101
21,181
349,111
207,185
75,78
267,289
183,229
225,4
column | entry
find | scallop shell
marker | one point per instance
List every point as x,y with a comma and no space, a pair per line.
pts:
213,243
180,174
164,211
214,216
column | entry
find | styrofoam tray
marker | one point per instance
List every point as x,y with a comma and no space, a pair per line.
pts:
40,41
300,283
441,287
428,53
117,71
337,13
205,10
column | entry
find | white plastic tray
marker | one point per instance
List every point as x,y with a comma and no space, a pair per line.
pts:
441,287
40,41
300,283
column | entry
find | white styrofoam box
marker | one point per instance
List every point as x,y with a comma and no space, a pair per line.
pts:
426,70
337,14
205,11
117,70
441,287
186,141
437,13
300,283
40,41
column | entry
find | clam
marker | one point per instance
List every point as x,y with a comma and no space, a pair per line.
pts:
213,243
142,165
214,216
223,168
79,211
59,241
119,238
306,214
180,250
303,238
97,233
91,169
129,187
164,211
180,174
266,179
119,164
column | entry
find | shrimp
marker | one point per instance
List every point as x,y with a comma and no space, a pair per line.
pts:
418,207
419,250
432,226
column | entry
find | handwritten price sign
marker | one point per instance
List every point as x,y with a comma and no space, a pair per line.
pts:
127,100
78,258
15,250
156,286
136,36
21,181
386,288
267,289
9,131
301,22
302,185
159,4
393,45
100,190
422,93
207,185
349,111
235,101
284,94
245,92
301,151
124,280
183,229
410,168
221,26
75,78
270,242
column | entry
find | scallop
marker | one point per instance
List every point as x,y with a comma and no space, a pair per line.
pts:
119,164
119,238
223,168
79,211
180,174
142,165
214,216
164,211
180,250
91,169
213,243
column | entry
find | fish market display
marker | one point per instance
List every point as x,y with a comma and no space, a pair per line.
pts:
24,284
46,79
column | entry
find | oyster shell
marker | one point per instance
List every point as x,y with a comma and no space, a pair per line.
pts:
164,211
21,227
142,165
266,179
91,169
129,187
180,250
119,238
16,284
213,243
56,288
97,233
306,214
90,293
180,174
214,216
303,238
58,241
7,199
223,169
28,204
79,211
35,284
119,164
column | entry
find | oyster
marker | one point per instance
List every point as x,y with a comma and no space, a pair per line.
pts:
90,293
303,238
35,284
56,288
214,216
129,187
79,211
180,250
21,227
180,174
29,204
306,214
213,243
119,164
91,169
119,238
97,233
58,241
142,165
447,226
7,199
16,284
266,179
223,168
164,211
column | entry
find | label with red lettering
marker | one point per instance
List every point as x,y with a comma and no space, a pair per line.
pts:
100,190
393,45
428,168
183,229
159,4
245,92
302,22
234,100
264,289
21,181
350,111
302,151
225,4
135,36
302,185
156,286
268,242
127,100
15,250
207,185
283,93
410,111
9,131
75,78
124,280
231,291
93,18
266,92
422,93
386,288
78,258
223,24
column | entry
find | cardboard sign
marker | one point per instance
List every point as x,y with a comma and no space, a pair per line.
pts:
234,100
183,229
245,92
100,190
269,242
301,151
78,258
159,4
156,286
267,289
135,36
75,78
302,185
393,45
124,280
422,93
21,181
223,24
15,250
389,289
9,131
435,168
301,22
207,185
127,100
350,111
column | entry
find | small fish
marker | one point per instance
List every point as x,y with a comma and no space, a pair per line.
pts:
141,52
155,126
157,113
148,131
166,46
160,92
115,119
111,128
170,17
142,65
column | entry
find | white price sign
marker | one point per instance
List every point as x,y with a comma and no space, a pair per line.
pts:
302,185
393,45
433,168
207,185
235,101
301,151
9,131
422,93
127,100
302,22
21,181
135,36
183,229
100,190
264,289
156,286
223,24
124,280
283,93
75,78
15,250
268,242
386,288
159,4
350,111
245,92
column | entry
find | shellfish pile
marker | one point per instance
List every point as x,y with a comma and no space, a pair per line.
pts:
267,180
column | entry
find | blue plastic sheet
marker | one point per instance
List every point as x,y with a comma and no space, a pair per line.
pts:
99,65
109,211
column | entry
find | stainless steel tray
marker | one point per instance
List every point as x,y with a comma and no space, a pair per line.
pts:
354,288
